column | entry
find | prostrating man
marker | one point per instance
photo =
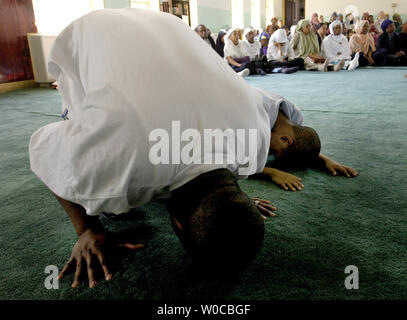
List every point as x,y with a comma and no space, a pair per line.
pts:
147,123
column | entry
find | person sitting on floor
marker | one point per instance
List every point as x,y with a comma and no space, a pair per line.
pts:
398,23
237,56
220,43
362,41
202,31
305,46
322,30
281,54
389,40
252,46
403,37
315,22
381,16
335,47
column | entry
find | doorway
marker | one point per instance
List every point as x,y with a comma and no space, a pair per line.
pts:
294,11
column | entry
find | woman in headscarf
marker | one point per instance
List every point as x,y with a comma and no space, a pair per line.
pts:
280,53
305,46
220,43
362,41
389,40
381,16
236,55
252,46
334,16
335,47
315,22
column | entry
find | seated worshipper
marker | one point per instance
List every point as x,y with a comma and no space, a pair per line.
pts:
315,22
389,40
322,30
403,37
321,19
292,32
349,21
373,30
252,46
398,23
202,31
305,46
220,43
264,42
362,41
381,16
334,16
336,48
113,154
281,54
236,55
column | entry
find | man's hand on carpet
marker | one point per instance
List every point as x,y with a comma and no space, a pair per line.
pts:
91,247
264,207
335,167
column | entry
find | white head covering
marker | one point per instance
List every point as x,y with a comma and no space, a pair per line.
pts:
333,25
280,36
273,52
246,31
232,50
253,49
332,45
119,93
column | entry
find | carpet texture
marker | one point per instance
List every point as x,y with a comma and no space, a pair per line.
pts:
334,222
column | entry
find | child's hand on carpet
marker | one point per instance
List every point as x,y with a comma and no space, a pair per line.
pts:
285,180
333,167
264,207
90,247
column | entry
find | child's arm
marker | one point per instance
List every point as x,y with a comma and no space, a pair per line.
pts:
91,245
333,167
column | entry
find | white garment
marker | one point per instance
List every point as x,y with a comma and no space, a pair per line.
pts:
336,47
273,52
253,49
232,50
119,91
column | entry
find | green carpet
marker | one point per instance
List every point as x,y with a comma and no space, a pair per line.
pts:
334,222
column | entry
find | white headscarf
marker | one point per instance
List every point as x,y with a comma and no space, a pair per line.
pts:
332,45
273,52
232,50
253,49
292,32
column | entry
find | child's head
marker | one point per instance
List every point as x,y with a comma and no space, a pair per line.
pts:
249,35
234,37
264,41
299,145
202,31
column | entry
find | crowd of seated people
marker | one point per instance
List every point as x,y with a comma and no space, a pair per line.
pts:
313,45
